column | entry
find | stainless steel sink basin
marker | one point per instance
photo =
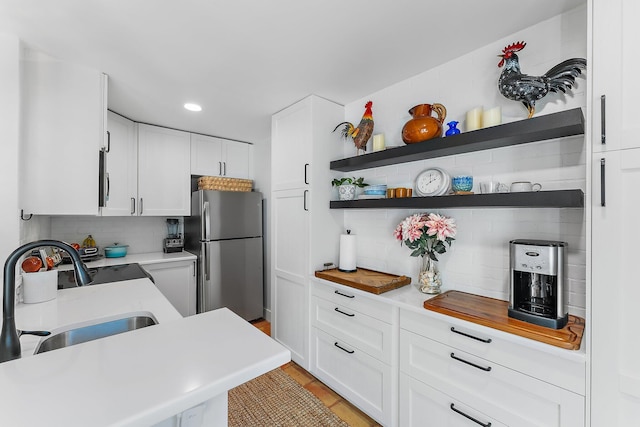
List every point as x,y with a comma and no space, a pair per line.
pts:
94,331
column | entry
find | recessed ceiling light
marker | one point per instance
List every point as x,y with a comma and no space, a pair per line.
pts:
192,107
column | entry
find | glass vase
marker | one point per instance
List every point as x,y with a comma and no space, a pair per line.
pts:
429,278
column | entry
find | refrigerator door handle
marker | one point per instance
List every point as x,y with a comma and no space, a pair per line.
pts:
206,221
205,261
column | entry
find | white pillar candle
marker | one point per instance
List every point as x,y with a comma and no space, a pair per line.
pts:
378,142
491,117
474,119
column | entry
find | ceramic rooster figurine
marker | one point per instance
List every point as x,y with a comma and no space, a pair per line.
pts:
363,132
512,84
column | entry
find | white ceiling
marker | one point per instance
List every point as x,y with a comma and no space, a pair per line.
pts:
243,60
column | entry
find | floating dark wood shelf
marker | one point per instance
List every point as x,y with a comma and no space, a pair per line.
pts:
539,199
556,125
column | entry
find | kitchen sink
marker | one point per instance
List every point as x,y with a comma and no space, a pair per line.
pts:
80,334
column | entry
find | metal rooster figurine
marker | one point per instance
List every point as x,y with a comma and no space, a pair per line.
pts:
363,132
512,84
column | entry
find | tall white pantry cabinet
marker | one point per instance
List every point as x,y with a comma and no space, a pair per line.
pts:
305,232
615,202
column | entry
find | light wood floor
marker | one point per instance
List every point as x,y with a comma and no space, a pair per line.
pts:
339,406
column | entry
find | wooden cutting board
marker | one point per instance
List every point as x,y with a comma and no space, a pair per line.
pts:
372,281
493,313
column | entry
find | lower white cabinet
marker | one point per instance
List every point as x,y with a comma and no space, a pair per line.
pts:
482,387
353,342
177,282
422,406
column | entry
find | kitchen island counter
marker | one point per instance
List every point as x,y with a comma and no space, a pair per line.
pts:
143,377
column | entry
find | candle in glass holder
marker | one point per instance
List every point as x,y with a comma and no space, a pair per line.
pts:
378,142
491,117
474,119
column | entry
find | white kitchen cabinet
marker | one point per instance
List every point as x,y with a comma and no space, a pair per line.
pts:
616,66
121,166
177,282
474,367
211,156
64,109
615,352
164,187
354,346
304,231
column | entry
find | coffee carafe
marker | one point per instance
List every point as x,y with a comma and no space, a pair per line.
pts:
537,277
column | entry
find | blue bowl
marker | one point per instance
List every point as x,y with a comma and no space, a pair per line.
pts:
462,183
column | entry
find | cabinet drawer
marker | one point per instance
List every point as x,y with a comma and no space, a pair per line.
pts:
421,405
359,330
510,396
490,345
363,380
353,299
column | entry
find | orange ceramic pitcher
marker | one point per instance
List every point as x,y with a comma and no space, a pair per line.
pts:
423,126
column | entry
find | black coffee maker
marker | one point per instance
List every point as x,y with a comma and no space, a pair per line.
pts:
538,293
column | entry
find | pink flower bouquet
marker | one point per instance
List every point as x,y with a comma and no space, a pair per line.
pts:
426,234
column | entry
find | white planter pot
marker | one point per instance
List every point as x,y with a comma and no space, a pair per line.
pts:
347,192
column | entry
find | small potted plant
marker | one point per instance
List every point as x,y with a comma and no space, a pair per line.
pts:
347,187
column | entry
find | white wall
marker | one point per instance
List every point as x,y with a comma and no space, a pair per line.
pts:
478,262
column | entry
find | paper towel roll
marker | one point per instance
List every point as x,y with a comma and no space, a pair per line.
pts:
347,253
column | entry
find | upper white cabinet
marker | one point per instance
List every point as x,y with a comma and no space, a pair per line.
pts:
211,156
616,67
164,186
121,166
63,129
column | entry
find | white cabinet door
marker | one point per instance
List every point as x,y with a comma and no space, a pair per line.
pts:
615,371
422,405
121,167
164,186
291,134
290,257
212,156
616,66
177,282
63,130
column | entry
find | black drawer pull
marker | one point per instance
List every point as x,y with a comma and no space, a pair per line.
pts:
342,312
344,295
343,349
486,340
487,369
603,120
469,417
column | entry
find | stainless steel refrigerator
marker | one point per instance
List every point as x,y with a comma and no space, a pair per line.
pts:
225,232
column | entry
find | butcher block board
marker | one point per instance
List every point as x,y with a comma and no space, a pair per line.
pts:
372,281
493,313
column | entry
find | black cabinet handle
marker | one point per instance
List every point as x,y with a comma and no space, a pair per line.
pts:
133,205
603,121
304,204
306,167
485,340
469,417
344,295
602,183
486,369
342,312
108,142
343,349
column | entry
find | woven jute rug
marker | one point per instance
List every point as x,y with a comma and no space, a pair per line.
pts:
276,399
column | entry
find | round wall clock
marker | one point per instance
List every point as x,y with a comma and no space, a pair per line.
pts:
433,182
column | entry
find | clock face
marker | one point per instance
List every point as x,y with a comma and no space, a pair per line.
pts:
432,182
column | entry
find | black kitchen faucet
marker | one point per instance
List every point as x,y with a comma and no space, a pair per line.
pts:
10,337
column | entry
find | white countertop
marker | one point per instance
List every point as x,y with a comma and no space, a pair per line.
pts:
136,378
142,259
410,298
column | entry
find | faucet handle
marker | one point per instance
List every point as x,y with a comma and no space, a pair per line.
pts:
36,333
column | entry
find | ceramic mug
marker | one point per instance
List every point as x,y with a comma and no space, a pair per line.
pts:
489,187
521,186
